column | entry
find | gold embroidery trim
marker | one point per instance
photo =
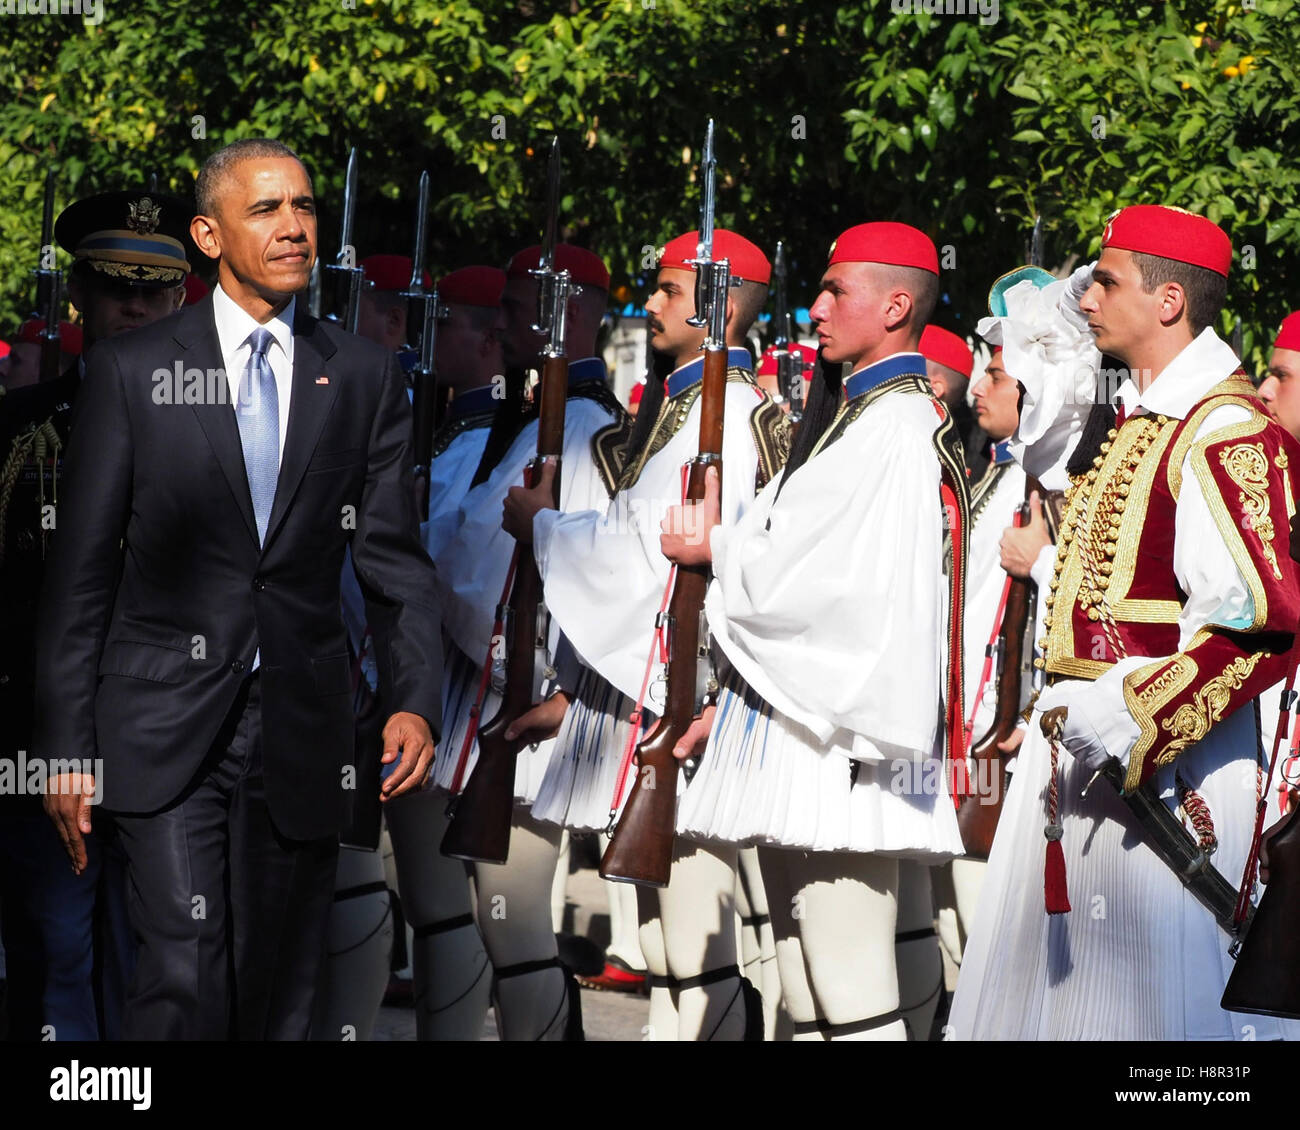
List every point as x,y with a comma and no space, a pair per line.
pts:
1247,466
1091,513
1191,721
1223,519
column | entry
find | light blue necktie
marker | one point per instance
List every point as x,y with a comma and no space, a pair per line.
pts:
258,413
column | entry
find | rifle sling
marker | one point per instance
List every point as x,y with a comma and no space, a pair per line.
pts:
1166,836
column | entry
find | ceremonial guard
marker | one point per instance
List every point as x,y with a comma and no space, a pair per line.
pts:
534,994
451,971
1173,602
828,599
949,364
1280,388
25,357
131,253
605,579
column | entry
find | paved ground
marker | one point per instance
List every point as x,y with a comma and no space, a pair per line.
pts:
605,1016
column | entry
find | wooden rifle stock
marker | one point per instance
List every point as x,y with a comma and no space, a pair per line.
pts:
1266,977
641,850
479,829
977,817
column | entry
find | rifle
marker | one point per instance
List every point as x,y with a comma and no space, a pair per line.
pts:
344,274
423,310
1266,977
790,366
977,816
642,845
480,816
49,288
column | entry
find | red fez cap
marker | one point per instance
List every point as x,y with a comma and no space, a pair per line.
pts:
473,286
1170,233
747,260
195,288
767,366
585,267
886,242
69,334
946,348
389,272
634,397
1288,337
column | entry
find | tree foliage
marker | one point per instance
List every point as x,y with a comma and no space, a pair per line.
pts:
827,113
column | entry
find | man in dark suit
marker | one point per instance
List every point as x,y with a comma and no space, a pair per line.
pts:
190,631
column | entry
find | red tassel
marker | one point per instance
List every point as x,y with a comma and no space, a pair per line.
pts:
1055,895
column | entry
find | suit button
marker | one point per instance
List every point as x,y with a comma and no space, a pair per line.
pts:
258,584
237,666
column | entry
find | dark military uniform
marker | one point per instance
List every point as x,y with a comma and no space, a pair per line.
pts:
48,915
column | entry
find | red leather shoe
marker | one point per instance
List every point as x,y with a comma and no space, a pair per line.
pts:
617,977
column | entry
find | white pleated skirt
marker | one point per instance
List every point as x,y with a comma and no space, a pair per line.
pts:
764,779
1137,957
577,790
460,685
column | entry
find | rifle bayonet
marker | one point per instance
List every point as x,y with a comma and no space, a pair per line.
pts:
423,312
790,365
49,286
345,274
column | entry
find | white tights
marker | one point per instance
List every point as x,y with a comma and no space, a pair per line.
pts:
834,915
514,916
688,929
453,978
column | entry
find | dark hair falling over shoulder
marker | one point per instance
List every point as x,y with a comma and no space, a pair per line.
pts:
652,399
1101,418
824,400
506,422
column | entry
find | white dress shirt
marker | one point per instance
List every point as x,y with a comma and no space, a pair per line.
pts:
234,327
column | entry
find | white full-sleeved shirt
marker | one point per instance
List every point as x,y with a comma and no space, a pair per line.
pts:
603,570
234,327
829,601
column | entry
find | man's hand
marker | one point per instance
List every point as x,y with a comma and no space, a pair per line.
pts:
686,529
409,735
523,503
1014,740
692,743
1021,546
1072,727
541,721
420,492
67,803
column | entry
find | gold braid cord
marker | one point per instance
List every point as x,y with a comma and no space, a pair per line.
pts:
39,443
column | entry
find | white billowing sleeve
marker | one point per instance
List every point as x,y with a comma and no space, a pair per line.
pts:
449,479
834,614
1216,591
472,567
603,571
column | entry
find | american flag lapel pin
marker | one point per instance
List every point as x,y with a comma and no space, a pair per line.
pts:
322,380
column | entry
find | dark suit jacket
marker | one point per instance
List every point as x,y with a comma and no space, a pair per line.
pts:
157,593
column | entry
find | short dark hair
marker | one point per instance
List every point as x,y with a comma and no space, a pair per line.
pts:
923,286
216,167
1205,289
